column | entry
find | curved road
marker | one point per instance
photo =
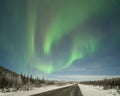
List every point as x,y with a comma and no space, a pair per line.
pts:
73,90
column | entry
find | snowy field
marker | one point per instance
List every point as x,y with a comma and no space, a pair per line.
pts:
34,91
96,91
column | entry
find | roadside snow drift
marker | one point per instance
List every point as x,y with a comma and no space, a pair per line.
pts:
96,91
34,91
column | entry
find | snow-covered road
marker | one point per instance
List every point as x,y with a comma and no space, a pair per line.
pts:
66,91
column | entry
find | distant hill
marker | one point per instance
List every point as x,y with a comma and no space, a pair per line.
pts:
4,70
7,73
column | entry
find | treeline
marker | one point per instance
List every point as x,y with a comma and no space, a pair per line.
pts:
19,82
106,83
13,82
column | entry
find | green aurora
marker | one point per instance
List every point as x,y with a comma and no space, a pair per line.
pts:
62,23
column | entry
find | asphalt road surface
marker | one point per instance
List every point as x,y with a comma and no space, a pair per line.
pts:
73,90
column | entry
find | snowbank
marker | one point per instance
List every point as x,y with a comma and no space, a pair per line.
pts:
96,91
34,91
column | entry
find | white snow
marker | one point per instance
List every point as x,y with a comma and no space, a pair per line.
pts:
34,91
96,91
85,89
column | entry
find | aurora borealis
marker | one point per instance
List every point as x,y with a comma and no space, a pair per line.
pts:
52,35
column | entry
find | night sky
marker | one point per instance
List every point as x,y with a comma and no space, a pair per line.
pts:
54,37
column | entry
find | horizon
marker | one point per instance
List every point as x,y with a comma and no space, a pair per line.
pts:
67,78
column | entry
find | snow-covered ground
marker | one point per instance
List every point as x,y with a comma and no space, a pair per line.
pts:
34,91
85,89
96,91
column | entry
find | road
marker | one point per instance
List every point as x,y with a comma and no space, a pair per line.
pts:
73,90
